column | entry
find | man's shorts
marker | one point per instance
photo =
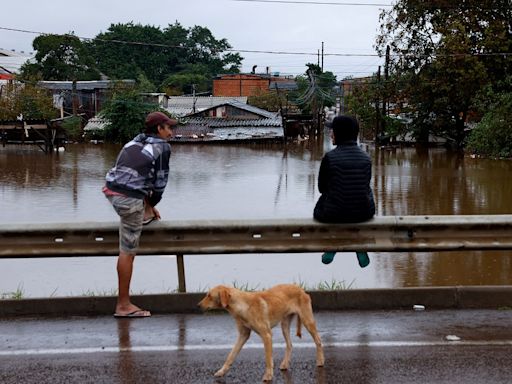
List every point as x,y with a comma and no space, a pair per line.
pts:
131,212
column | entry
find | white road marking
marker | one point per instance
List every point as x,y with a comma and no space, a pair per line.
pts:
175,348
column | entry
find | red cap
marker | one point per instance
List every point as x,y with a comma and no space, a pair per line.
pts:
158,118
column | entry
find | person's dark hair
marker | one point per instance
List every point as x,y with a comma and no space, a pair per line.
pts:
345,128
154,119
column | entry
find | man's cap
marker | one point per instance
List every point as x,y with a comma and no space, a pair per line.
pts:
159,118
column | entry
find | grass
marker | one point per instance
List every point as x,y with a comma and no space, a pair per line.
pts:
18,294
332,285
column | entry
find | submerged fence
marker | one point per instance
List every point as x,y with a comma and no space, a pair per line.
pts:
381,234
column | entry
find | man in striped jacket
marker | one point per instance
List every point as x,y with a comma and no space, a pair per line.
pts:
134,186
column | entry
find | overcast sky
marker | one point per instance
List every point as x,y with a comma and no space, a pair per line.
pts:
246,25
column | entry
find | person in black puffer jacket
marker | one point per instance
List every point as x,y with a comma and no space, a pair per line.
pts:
344,181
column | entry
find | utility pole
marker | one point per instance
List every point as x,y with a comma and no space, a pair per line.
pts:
318,58
322,57
74,98
386,78
377,110
193,98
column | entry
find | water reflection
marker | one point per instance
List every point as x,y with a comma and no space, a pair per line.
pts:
264,181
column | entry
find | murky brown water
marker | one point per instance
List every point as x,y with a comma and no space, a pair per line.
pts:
250,181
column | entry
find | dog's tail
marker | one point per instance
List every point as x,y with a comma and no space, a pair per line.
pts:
299,324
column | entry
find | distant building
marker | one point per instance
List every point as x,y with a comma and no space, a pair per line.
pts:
91,95
230,121
160,99
348,85
250,84
11,63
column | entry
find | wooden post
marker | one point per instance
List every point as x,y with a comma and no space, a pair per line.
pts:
181,274
377,110
322,57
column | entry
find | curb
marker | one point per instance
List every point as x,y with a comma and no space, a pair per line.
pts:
463,297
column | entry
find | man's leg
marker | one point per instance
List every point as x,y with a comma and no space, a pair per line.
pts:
131,212
124,273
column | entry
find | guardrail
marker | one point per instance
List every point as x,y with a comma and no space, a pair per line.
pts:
381,234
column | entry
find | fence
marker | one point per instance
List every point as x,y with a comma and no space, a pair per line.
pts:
381,234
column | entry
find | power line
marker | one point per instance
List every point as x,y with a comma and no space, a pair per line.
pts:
140,43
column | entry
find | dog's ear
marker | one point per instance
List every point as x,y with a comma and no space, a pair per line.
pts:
224,296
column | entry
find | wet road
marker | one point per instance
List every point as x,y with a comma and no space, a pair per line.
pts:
360,347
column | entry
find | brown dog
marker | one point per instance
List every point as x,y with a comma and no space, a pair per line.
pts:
260,312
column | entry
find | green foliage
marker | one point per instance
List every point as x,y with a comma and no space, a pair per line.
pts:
18,294
493,134
433,45
144,85
360,103
126,112
270,101
25,99
61,57
183,81
315,89
73,127
160,53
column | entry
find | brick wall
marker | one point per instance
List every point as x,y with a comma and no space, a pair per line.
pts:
240,85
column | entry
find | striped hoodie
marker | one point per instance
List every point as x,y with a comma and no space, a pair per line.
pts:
141,169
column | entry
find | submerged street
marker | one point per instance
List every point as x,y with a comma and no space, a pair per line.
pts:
360,347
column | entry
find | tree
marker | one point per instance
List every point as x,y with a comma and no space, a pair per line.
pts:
184,81
31,102
127,50
60,57
443,53
125,112
492,136
271,101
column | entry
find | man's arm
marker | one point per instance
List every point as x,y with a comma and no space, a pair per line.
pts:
160,178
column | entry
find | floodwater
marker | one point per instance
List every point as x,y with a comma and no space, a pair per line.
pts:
250,181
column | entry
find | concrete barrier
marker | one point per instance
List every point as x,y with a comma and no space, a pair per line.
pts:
354,299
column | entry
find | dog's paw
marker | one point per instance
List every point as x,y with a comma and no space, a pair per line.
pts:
219,373
284,366
267,377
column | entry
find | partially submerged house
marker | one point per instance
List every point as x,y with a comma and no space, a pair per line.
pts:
230,121
180,106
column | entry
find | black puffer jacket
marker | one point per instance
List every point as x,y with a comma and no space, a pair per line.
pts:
344,182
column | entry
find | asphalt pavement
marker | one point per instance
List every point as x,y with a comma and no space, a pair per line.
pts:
443,346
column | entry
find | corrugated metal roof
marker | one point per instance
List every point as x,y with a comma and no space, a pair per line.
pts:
97,123
82,85
13,63
218,122
246,107
183,105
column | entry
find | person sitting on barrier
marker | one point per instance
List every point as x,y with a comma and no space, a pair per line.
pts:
344,182
134,186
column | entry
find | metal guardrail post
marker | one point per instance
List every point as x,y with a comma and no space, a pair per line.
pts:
181,274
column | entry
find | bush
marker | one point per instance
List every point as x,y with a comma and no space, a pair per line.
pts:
493,134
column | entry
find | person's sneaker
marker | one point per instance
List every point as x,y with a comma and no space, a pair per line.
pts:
363,259
328,257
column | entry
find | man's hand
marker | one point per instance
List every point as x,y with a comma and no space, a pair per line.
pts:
156,213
